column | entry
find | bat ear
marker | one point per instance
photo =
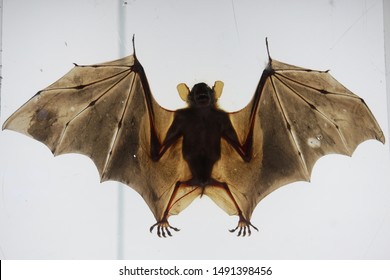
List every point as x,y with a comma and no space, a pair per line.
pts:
184,91
218,87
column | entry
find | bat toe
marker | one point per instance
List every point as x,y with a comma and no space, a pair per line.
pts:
243,227
163,228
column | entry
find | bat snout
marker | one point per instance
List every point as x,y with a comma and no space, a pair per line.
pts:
202,95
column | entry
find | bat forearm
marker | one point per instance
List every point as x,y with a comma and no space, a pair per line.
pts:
244,150
157,150
157,154
155,147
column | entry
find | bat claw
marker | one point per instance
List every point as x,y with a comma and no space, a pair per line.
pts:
243,227
163,228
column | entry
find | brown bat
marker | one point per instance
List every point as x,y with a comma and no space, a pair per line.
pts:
107,112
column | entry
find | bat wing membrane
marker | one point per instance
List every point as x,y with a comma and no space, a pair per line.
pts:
106,111
297,115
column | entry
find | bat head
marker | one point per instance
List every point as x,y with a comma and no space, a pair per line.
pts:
201,95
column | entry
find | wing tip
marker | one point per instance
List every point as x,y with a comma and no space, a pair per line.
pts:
381,137
4,126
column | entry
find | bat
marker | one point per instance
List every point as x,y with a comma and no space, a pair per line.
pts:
107,112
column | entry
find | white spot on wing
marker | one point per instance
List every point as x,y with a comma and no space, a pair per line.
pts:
315,142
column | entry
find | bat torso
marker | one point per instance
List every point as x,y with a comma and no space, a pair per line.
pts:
202,129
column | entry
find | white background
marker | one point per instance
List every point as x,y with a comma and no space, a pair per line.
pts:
55,208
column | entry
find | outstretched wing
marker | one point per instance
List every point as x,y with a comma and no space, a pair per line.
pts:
106,112
297,115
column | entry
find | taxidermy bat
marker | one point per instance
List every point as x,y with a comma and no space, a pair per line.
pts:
107,112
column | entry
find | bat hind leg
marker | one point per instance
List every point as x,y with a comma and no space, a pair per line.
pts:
163,225
244,225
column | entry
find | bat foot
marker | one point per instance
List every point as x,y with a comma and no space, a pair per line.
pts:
163,228
243,227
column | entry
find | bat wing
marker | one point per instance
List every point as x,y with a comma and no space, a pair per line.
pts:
106,112
296,116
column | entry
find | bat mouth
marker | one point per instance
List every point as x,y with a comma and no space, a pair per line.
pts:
202,99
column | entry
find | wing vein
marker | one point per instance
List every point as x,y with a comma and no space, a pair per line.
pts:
312,106
317,89
91,83
289,128
119,127
89,106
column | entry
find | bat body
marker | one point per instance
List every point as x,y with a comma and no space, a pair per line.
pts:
107,112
